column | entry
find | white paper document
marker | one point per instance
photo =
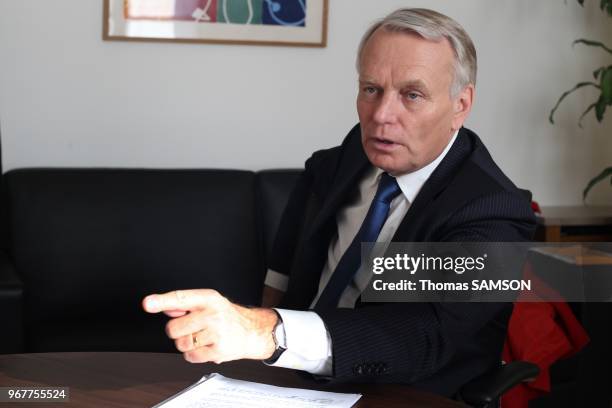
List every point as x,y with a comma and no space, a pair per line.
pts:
217,391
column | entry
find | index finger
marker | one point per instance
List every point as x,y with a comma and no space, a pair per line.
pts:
179,300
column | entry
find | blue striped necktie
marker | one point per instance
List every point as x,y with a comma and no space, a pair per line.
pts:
346,269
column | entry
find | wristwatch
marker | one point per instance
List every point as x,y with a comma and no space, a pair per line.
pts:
280,341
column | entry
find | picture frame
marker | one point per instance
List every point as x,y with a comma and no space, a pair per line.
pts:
249,22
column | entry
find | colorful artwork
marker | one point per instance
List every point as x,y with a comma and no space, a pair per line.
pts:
270,12
274,22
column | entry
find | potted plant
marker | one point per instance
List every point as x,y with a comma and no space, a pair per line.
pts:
602,81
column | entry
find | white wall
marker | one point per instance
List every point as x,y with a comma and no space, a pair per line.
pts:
67,98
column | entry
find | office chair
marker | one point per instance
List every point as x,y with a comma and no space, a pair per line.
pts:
485,391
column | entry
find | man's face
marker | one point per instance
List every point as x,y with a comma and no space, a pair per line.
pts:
404,104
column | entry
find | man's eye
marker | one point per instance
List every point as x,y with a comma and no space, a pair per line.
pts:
412,96
369,90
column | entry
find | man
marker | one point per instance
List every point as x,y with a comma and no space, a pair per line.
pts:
410,160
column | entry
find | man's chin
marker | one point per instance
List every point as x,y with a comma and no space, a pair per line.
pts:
390,166
385,165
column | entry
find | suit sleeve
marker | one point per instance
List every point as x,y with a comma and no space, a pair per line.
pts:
416,340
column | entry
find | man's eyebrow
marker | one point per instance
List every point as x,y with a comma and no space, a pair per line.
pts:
366,80
417,84
414,84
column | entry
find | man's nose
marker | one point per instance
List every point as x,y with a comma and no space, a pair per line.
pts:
387,109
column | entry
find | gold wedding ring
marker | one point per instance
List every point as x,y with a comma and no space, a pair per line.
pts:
199,342
194,339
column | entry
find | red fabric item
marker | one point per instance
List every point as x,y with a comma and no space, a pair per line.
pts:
541,333
536,207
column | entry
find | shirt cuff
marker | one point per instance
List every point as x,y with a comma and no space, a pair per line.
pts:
308,343
276,280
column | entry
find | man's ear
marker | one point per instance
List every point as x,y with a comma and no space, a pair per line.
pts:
462,105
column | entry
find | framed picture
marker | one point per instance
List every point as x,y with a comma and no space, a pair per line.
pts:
263,22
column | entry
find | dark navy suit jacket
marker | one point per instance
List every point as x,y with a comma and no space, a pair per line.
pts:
433,346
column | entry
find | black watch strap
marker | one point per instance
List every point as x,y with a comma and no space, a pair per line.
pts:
279,348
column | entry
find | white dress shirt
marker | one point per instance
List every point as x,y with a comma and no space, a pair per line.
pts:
308,342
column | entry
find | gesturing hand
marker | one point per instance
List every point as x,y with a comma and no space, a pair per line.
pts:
208,327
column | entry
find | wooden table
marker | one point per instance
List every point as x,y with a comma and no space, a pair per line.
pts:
575,224
145,379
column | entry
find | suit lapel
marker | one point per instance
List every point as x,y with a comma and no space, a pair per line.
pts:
439,179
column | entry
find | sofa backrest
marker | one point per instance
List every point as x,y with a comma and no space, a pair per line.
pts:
273,189
89,244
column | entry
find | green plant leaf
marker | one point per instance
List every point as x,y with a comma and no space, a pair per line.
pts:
592,44
579,85
600,108
605,173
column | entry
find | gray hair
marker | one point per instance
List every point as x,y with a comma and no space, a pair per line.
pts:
433,26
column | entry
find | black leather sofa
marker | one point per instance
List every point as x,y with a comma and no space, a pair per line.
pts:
82,247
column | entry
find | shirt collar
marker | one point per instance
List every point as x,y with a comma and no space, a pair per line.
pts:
411,183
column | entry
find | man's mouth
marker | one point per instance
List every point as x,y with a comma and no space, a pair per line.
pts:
383,143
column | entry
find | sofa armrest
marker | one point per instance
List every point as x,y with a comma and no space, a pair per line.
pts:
11,305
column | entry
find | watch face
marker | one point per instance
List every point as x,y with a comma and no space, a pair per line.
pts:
279,336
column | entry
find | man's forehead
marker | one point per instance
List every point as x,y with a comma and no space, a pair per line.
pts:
408,57
405,73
